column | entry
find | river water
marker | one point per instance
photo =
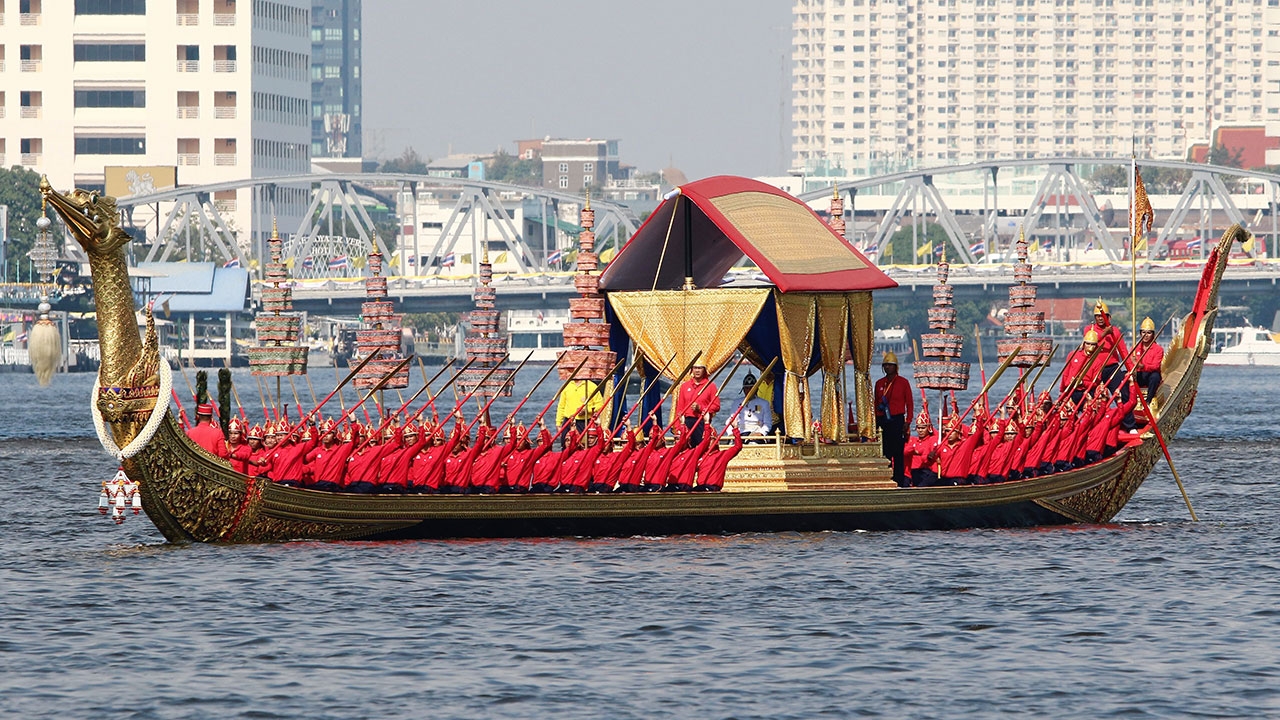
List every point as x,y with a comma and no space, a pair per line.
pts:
1150,616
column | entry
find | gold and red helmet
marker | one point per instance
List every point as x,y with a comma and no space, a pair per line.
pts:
236,426
255,433
1091,336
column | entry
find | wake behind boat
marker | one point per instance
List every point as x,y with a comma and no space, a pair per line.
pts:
659,302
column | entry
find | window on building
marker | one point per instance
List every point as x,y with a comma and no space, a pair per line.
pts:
110,145
586,180
564,167
588,167
100,52
564,182
190,53
111,7
111,98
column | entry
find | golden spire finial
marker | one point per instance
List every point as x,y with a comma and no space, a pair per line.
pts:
588,206
275,232
835,191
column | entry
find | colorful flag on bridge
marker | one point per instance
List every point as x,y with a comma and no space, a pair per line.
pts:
339,263
232,263
555,257
978,248
448,260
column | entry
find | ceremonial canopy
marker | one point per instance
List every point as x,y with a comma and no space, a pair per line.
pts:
720,219
666,288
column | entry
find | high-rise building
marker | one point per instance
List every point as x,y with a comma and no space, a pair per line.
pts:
883,85
335,79
216,88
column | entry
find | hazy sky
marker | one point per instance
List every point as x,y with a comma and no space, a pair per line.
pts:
698,84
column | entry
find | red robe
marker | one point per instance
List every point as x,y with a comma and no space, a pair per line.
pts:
704,393
209,436
685,467
631,471
519,466
239,457
362,465
712,466
575,470
328,462
658,470
393,468
487,474
609,464
457,467
427,468
287,461
1089,378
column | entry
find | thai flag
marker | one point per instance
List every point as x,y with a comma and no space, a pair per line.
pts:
555,257
978,247
1194,244
22,337
937,250
339,263
308,262
870,249
1090,245
448,260
232,263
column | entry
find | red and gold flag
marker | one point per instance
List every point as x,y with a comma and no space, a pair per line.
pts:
1142,215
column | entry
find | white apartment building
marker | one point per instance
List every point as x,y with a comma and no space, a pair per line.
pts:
883,85
218,88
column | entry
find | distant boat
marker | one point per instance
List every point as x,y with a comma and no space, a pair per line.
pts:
1244,345
540,331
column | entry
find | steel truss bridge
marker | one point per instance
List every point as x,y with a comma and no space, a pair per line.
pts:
191,224
1045,197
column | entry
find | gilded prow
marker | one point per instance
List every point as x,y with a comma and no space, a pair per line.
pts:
94,223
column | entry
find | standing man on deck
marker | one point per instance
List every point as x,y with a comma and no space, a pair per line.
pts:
579,401
1111,347
894,405
697,403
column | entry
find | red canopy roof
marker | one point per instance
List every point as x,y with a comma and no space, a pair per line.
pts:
719,219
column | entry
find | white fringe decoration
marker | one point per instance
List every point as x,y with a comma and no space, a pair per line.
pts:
44,348
148,430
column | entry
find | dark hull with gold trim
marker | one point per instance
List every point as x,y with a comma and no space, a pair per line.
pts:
193,497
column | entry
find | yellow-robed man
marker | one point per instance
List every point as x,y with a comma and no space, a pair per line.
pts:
573,399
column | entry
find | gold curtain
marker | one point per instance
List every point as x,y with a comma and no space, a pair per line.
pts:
833,325
795,330
861,328
664,323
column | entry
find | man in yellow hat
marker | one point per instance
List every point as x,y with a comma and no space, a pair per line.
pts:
1147,357
1111,346
894,405
1082,369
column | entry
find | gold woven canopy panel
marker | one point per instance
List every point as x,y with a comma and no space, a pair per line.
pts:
788,235
679,323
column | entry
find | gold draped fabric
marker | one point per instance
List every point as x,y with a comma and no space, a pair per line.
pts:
861,329
796,313
679,323
833,324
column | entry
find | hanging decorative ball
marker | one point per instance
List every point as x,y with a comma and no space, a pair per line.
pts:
43,223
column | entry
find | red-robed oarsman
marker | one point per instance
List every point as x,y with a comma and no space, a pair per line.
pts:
288,460
486,475
712,466
604,476
426,472
362,464
206,434
1148,356
685,467
393,468
631,471
239,457
519,465
1088,378
575,471
658,471
457,467
546,469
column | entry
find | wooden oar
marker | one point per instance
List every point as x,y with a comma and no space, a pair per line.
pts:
645,391
431,398
511,415
347,379
608,400
1053,348
296,400
994,377
377,386
342,401
485,409
538,418
674,386
586,402
1155,427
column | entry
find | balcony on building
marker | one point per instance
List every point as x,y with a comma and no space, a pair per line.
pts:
224,105
189,151
32,103
188,104
189,58
31,58
188,12
224,58
29,12
224,12
224,152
